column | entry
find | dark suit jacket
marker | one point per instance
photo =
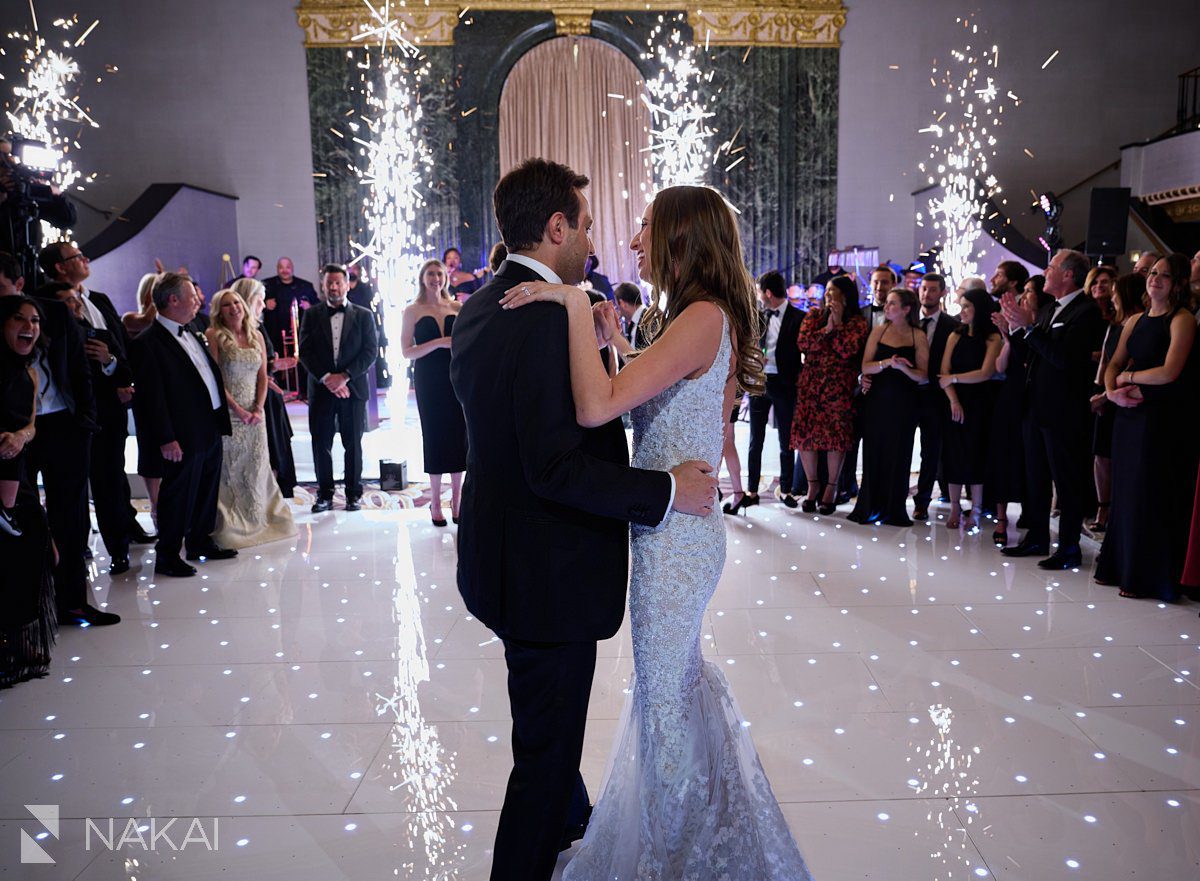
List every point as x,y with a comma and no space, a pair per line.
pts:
174,404
110,412
67,362
946,325
1061,370
787,348
543,549
357,350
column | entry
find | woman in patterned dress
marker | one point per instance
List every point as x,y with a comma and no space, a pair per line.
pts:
832,340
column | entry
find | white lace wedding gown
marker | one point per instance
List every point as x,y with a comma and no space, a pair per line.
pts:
684,796
250,508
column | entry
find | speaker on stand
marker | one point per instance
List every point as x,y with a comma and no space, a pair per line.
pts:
1108,221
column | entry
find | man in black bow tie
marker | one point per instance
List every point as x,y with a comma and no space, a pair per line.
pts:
338,346
883,279
185,416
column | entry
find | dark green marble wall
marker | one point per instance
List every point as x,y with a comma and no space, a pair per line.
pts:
784,100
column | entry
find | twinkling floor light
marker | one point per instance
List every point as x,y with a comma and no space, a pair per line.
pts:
964,141
680,138
45,102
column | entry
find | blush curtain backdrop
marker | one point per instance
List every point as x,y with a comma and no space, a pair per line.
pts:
577,100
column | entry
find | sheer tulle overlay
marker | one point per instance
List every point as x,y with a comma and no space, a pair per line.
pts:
684,797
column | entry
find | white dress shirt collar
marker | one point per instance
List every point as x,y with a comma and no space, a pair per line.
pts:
172,326
1064,302
537,266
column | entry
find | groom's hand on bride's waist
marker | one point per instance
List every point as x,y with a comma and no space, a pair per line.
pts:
695,488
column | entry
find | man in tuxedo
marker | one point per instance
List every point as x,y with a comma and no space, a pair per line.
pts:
338,346
1009,278
933,405
781,361
630,308
107,348
1057,426
883,279
65,419
543,549
186,417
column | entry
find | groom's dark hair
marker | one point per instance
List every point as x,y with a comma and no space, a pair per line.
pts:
529,195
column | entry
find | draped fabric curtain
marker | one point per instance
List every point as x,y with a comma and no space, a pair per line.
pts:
577,100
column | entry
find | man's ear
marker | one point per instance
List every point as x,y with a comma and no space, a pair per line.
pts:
556,228
19,285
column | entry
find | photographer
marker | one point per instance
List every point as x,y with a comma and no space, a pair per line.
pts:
27,197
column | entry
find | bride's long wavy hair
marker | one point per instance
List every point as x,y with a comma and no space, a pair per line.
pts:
696,255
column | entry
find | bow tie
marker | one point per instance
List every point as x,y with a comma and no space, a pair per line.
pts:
771,313
875,308
182,329
337,310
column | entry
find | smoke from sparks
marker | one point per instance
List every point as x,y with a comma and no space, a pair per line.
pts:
963,130
680,139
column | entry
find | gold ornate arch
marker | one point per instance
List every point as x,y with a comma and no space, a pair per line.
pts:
792,23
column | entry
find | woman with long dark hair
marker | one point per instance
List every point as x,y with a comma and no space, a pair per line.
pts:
897,359
1154,450
831,340
425,341
681,725
968,365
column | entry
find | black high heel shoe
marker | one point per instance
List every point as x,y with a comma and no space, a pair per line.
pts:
749,500
735,507
436,522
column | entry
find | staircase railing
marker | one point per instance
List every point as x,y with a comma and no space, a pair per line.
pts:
1188,113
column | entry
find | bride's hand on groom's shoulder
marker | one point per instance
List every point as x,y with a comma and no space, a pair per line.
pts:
539,291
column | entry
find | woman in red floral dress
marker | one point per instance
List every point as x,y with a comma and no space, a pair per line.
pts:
832,340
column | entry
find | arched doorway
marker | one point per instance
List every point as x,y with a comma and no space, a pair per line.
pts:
577,100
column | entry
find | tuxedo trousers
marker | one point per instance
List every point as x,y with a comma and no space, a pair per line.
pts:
1058,454
780,396
328,414
110,488
187,497
548,689
60,452
932,407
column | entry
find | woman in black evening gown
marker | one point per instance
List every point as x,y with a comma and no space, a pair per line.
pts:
897,361
968,365
425,341
1154,449
279,424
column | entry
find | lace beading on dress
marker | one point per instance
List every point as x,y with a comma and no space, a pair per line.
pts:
684,797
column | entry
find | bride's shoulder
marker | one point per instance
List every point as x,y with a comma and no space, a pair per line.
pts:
703,315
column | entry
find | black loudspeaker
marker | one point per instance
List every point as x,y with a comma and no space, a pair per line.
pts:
1108,221
393,475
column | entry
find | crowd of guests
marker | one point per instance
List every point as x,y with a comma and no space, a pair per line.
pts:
213,434
1066,393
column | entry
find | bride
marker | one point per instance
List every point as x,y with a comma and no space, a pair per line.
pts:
684,796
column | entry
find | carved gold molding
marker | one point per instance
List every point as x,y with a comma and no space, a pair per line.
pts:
792,23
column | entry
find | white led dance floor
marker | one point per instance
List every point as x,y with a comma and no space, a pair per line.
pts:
923,708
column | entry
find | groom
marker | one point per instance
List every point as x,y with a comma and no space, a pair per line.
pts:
543,550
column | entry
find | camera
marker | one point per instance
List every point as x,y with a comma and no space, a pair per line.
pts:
28,197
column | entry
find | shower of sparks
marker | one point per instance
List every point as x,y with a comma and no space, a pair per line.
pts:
942,771
963,132
44,104
395,164
680,138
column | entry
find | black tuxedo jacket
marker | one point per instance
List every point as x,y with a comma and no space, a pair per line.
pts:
1061,370
787,347
173,401
67,361
543,549
357,350
945,326
110,412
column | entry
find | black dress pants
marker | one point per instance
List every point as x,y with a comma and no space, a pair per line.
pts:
187,498
1060,455
110,488
60,452
548,688
932,413
346,416
781,397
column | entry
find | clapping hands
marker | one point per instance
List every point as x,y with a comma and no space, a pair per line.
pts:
1014,313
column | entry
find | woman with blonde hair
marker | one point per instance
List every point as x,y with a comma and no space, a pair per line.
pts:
425,341
250,509
685,795
279,424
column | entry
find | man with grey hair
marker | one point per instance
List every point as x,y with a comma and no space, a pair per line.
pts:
1057,425
970,283
184,415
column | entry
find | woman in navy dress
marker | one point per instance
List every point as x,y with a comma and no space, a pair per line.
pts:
425,336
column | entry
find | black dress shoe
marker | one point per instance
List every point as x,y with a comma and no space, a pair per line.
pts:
1026,549
212,552
176,568
1063,558
322,505
353,504
118,565
90,616
139,536
920,512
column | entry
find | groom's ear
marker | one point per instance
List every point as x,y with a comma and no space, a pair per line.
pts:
556,228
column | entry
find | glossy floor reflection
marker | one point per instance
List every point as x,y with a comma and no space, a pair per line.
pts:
924,708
